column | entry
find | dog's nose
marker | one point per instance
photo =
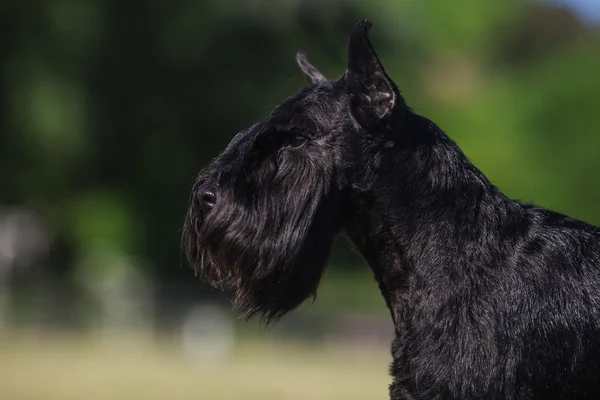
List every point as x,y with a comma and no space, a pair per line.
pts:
207,197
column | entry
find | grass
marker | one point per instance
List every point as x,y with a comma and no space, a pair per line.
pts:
129,368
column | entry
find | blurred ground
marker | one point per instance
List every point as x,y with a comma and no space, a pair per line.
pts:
136,367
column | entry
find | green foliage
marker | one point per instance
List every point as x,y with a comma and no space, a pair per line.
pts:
109,108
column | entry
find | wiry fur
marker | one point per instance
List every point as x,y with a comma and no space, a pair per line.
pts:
491,299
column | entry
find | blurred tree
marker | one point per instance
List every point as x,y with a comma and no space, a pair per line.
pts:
109,108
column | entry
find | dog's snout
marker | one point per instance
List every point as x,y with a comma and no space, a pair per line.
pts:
207,197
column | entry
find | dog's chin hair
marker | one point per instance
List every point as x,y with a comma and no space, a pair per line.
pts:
271,256
269,296
269,306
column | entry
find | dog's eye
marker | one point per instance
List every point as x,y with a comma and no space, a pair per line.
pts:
298,140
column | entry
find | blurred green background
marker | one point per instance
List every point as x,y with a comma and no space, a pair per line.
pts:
108,109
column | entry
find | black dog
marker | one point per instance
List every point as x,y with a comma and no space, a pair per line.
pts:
491,299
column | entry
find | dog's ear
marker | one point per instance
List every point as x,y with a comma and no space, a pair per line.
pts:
374,95
313,74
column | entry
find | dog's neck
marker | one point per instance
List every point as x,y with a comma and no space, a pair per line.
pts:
437,200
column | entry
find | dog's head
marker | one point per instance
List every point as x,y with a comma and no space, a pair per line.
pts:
264,213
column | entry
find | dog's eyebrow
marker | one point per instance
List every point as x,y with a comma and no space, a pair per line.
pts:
301,122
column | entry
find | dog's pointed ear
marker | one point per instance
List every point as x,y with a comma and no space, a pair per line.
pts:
313,74
374,94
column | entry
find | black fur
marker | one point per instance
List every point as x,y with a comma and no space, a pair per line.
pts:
491,299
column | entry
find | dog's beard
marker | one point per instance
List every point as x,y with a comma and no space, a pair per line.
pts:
270,247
